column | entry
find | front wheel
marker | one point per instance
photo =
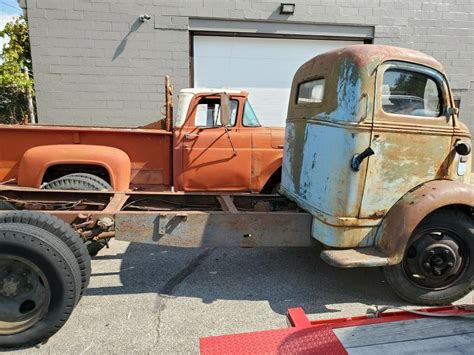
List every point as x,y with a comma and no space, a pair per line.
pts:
438,266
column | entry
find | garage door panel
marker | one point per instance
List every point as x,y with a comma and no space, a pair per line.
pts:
262,66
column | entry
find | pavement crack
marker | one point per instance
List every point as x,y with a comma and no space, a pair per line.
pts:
170,286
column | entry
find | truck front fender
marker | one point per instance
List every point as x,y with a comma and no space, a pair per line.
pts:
400,222
37,160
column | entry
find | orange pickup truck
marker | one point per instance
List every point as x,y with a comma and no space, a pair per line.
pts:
192,151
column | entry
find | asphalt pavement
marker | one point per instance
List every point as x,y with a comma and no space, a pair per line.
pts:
149,299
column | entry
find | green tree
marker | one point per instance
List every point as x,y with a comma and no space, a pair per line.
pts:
16,83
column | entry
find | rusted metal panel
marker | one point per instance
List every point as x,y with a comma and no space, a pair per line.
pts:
322,137
209,229
408,150
401,220
140,145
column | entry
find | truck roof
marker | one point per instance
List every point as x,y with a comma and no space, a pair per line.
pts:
347,73
364,55
195,91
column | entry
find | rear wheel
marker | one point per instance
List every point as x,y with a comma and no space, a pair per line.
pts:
78,181
61,230
438,266
82,181
40,284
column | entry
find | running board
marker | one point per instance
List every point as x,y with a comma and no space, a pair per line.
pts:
359,257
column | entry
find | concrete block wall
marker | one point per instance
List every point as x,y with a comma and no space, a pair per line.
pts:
95,63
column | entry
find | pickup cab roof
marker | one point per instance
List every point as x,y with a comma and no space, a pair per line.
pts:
186,95
196,91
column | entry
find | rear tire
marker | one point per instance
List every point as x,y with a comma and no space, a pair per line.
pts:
78,181
438,266
61,230
82,181
40,285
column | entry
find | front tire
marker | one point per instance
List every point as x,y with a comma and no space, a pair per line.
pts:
438,265
40,284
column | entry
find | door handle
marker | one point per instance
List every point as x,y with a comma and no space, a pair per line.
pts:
357,159
191,135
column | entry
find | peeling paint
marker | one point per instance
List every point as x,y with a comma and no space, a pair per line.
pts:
321,139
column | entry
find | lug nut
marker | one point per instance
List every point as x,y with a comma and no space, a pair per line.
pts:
427,265
446,251
450,264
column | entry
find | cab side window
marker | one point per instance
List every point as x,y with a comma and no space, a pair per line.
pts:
406,92
208,113
250,118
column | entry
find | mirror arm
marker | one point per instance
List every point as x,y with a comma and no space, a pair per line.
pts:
230,140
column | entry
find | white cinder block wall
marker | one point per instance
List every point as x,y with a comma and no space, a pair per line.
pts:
94,63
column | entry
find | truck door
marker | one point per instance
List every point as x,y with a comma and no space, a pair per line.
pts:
215,158
411,135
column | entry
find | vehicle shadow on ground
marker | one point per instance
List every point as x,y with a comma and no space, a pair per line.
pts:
285,277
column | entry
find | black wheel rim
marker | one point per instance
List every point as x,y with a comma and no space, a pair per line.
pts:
436,258
24,294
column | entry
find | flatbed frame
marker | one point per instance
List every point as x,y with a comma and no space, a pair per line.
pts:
172,218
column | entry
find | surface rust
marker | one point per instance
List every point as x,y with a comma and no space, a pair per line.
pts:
322,137
400,222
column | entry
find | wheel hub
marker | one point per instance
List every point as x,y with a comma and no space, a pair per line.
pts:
24,294
434,259
439,260
10,287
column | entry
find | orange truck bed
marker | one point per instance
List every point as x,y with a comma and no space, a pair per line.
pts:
149,151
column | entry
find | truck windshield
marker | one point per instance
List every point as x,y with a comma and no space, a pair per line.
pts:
250,118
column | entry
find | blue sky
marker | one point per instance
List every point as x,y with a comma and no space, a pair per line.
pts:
8,9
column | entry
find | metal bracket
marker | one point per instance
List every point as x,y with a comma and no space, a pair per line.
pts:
164,219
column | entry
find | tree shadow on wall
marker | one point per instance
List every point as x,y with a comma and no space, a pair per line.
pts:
123,43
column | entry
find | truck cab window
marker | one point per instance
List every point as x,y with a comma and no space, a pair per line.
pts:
208,113
411,93
250,118
311,91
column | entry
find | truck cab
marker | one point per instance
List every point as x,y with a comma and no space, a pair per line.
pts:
210,156
375,151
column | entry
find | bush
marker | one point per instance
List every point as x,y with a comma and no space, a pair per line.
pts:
16,82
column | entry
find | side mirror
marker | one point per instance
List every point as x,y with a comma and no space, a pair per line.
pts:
451,111
225,110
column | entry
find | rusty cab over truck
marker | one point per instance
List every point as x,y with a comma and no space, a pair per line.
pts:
193,152
375,157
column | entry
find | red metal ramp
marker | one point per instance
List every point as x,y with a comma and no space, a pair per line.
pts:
362,334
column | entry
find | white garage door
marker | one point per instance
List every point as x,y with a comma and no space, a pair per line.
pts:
262,66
